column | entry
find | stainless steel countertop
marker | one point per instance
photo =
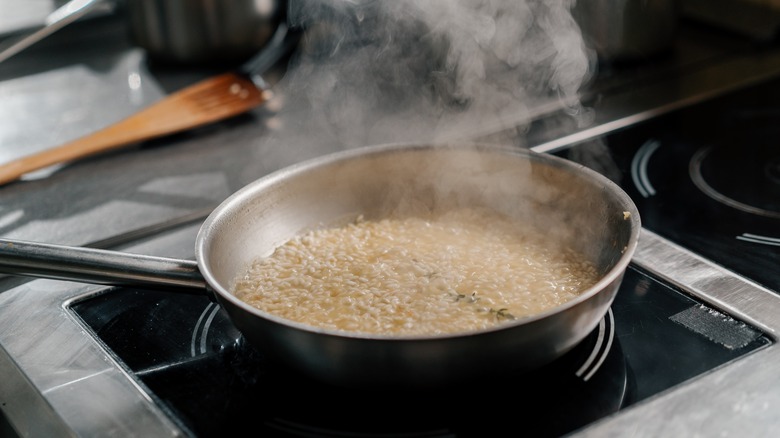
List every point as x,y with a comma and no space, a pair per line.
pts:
90,76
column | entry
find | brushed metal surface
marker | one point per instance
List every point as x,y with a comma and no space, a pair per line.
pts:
62,383
195,31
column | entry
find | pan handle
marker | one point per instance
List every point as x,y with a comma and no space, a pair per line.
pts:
97,266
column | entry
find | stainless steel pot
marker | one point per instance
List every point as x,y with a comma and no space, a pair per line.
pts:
203,31
570,202
627,30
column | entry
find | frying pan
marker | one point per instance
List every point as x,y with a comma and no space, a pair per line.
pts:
565,201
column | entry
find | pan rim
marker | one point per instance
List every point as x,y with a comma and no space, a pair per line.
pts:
250,190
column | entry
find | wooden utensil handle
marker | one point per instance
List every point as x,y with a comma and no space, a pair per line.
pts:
210,100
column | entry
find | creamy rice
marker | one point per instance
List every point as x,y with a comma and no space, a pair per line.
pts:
460,271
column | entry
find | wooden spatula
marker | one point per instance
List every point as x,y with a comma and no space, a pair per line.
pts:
207,101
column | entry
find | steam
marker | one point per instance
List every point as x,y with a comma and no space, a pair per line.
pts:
372,71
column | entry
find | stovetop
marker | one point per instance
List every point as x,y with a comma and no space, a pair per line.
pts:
191,359
707,178
688,347
185,352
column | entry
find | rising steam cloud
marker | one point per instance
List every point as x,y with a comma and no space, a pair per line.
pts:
373,71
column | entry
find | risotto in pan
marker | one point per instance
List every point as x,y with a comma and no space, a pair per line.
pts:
458,271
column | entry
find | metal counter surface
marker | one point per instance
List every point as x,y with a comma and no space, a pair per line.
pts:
90,76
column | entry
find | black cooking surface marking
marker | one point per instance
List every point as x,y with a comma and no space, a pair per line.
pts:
185,350
706,178
747,179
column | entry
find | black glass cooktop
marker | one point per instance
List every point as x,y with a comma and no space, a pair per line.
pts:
197,366
707,178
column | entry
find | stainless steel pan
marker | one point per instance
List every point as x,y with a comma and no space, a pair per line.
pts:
566,201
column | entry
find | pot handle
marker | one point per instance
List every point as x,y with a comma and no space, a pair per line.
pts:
97,266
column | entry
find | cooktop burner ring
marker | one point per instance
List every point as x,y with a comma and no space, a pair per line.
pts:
770,169
176,345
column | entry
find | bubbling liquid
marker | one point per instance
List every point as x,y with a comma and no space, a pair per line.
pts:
459,271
